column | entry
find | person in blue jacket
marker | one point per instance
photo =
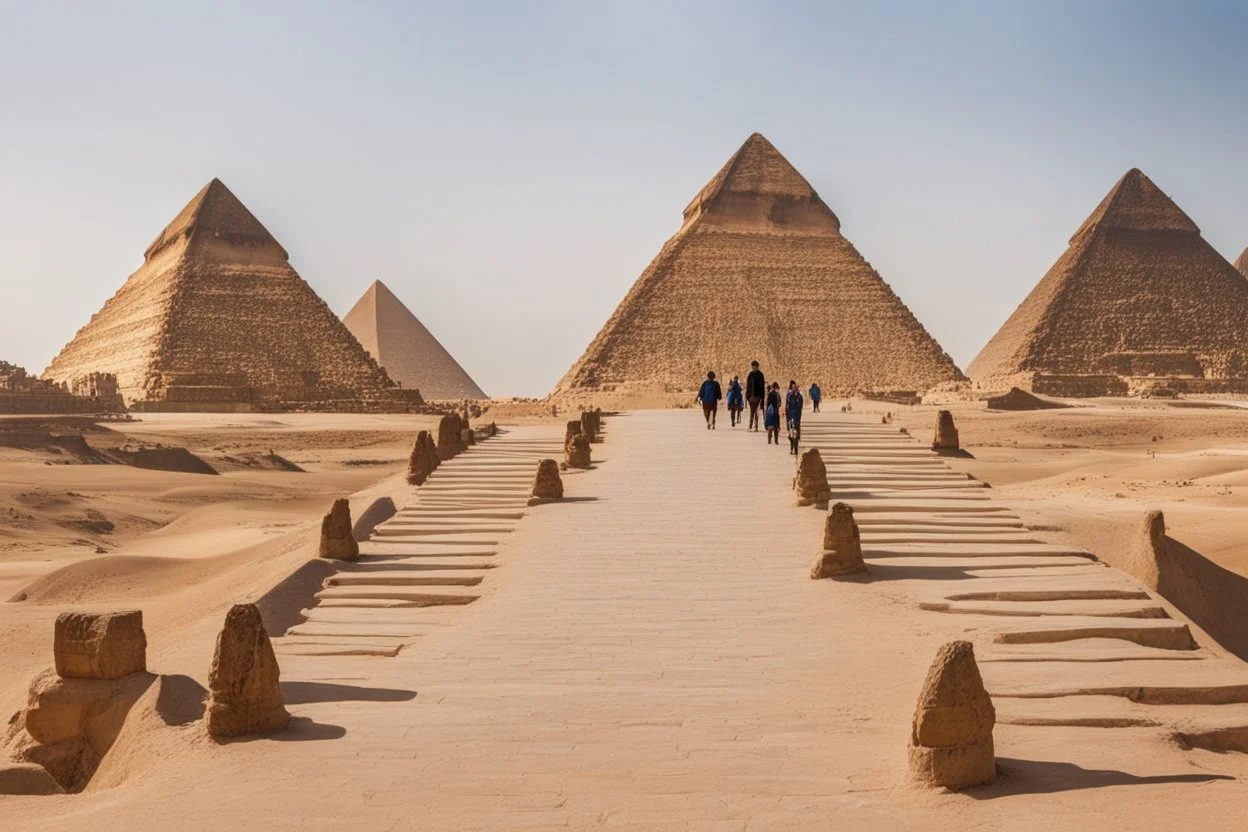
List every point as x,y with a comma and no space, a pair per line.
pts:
816,396
709,395
736,400
793,403
771,414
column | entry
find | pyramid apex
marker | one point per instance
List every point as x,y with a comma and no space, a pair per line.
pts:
1135,203
216,214
757,173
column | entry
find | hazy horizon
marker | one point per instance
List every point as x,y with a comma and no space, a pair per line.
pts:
509,170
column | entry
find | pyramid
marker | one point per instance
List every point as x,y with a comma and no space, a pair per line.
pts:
759,271
216,319
1138,294
1242,263
408,352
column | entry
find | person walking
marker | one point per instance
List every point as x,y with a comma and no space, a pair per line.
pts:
793,403
709,395
771,414
816,396
755,392
736,400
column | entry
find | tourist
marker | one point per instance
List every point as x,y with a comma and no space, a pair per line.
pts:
709,395
736,400
793,415
771,415
816,395
755,391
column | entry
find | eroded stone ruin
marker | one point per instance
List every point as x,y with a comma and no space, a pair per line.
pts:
75,711
245,695
1139,297
21,392
811,482
946,436
951,736
1018,399
577,451
547,484
423,459
450,439
591,424
408,352
759,241
217,320
337,542
842,545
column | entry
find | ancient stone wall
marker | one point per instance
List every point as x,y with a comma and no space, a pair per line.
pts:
1078,387
21,392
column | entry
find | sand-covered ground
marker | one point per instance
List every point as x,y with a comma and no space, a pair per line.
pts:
181,546
650,656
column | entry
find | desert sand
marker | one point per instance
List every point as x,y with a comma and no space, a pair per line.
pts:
649,652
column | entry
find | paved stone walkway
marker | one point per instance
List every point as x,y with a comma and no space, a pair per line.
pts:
652,654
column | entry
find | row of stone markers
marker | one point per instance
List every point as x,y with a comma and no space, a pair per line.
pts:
76,709
951,733
436,550
1123,659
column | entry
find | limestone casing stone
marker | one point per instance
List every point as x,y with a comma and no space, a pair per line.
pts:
337,541
245,695
105,645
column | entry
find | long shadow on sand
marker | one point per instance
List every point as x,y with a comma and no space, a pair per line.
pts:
299,729
1046,777
304,693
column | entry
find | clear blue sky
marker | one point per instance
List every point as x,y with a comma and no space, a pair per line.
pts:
510,168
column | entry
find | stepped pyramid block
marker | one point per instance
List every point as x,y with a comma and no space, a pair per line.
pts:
1242,263
759,270
1138,294
408,352
216,319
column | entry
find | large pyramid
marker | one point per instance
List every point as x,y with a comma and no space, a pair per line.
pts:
1242,263
408,352
759,270
216,319
1138,295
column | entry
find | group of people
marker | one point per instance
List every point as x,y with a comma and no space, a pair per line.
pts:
759,396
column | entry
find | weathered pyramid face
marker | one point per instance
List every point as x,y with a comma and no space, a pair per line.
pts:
216,319
759,271
406,350
1139,293
1242,263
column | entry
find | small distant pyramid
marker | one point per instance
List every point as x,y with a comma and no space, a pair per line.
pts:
216,319
759,271
408,352
1242,263
1139,293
